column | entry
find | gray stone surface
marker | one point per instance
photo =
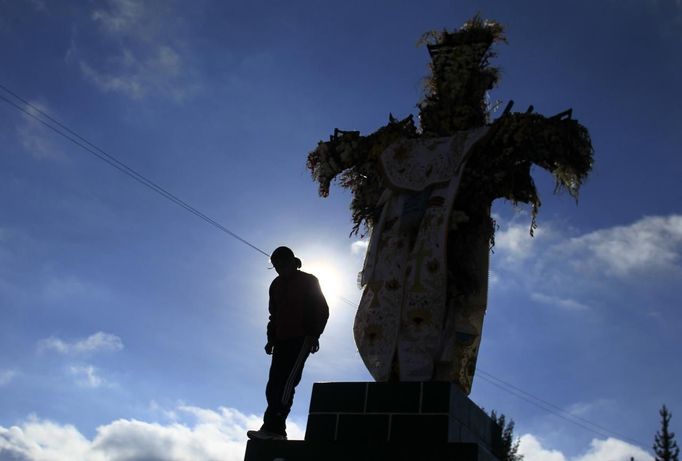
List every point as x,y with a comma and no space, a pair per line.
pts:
469,423
428,413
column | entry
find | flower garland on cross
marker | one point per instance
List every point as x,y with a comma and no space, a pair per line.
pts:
497,165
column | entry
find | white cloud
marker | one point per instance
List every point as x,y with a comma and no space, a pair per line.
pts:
359,247
564,303
493,278
155,408
37,440
211,436
587,409
145,58
157,72
126,83
614,450
515,242
123,16
97,342
561,269
589,272
6,376
532,450
87,376
652,243
201,434
600,450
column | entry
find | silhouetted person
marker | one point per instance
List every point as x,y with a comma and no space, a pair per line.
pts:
298,315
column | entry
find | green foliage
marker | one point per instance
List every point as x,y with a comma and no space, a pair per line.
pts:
354,160
460,77
455,100
665,447
510,447
501,165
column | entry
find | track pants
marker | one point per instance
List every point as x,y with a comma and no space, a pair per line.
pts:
288,358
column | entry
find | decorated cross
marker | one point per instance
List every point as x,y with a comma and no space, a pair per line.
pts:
424,194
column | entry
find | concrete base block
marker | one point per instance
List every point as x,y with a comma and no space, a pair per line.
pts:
389,421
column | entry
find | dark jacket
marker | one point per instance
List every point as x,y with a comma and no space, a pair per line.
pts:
297,307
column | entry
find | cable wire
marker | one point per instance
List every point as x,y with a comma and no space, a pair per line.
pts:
549,404
552,408
98,152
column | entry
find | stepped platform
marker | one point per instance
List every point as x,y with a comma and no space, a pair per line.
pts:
430,421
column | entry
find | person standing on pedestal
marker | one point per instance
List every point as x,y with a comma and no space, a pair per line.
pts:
298,315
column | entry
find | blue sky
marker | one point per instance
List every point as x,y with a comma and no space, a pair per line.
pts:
129,324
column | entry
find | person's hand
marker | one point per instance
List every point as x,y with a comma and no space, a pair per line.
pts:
315,345
268,348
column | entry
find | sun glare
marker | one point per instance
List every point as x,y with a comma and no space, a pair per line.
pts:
329,277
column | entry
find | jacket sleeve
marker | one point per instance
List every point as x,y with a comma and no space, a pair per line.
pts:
272,321
317,310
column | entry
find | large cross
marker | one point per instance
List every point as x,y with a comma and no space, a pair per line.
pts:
497,166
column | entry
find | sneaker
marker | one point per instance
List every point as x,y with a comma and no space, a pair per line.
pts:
264,434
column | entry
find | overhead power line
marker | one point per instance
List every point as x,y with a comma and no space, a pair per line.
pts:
98,152
80,141
552,408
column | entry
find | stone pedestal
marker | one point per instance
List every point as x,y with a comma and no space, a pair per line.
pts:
430,421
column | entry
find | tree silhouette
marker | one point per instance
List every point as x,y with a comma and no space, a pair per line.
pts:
510,447
665,446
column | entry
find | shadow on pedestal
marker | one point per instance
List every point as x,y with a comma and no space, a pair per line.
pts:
298,450
430,421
